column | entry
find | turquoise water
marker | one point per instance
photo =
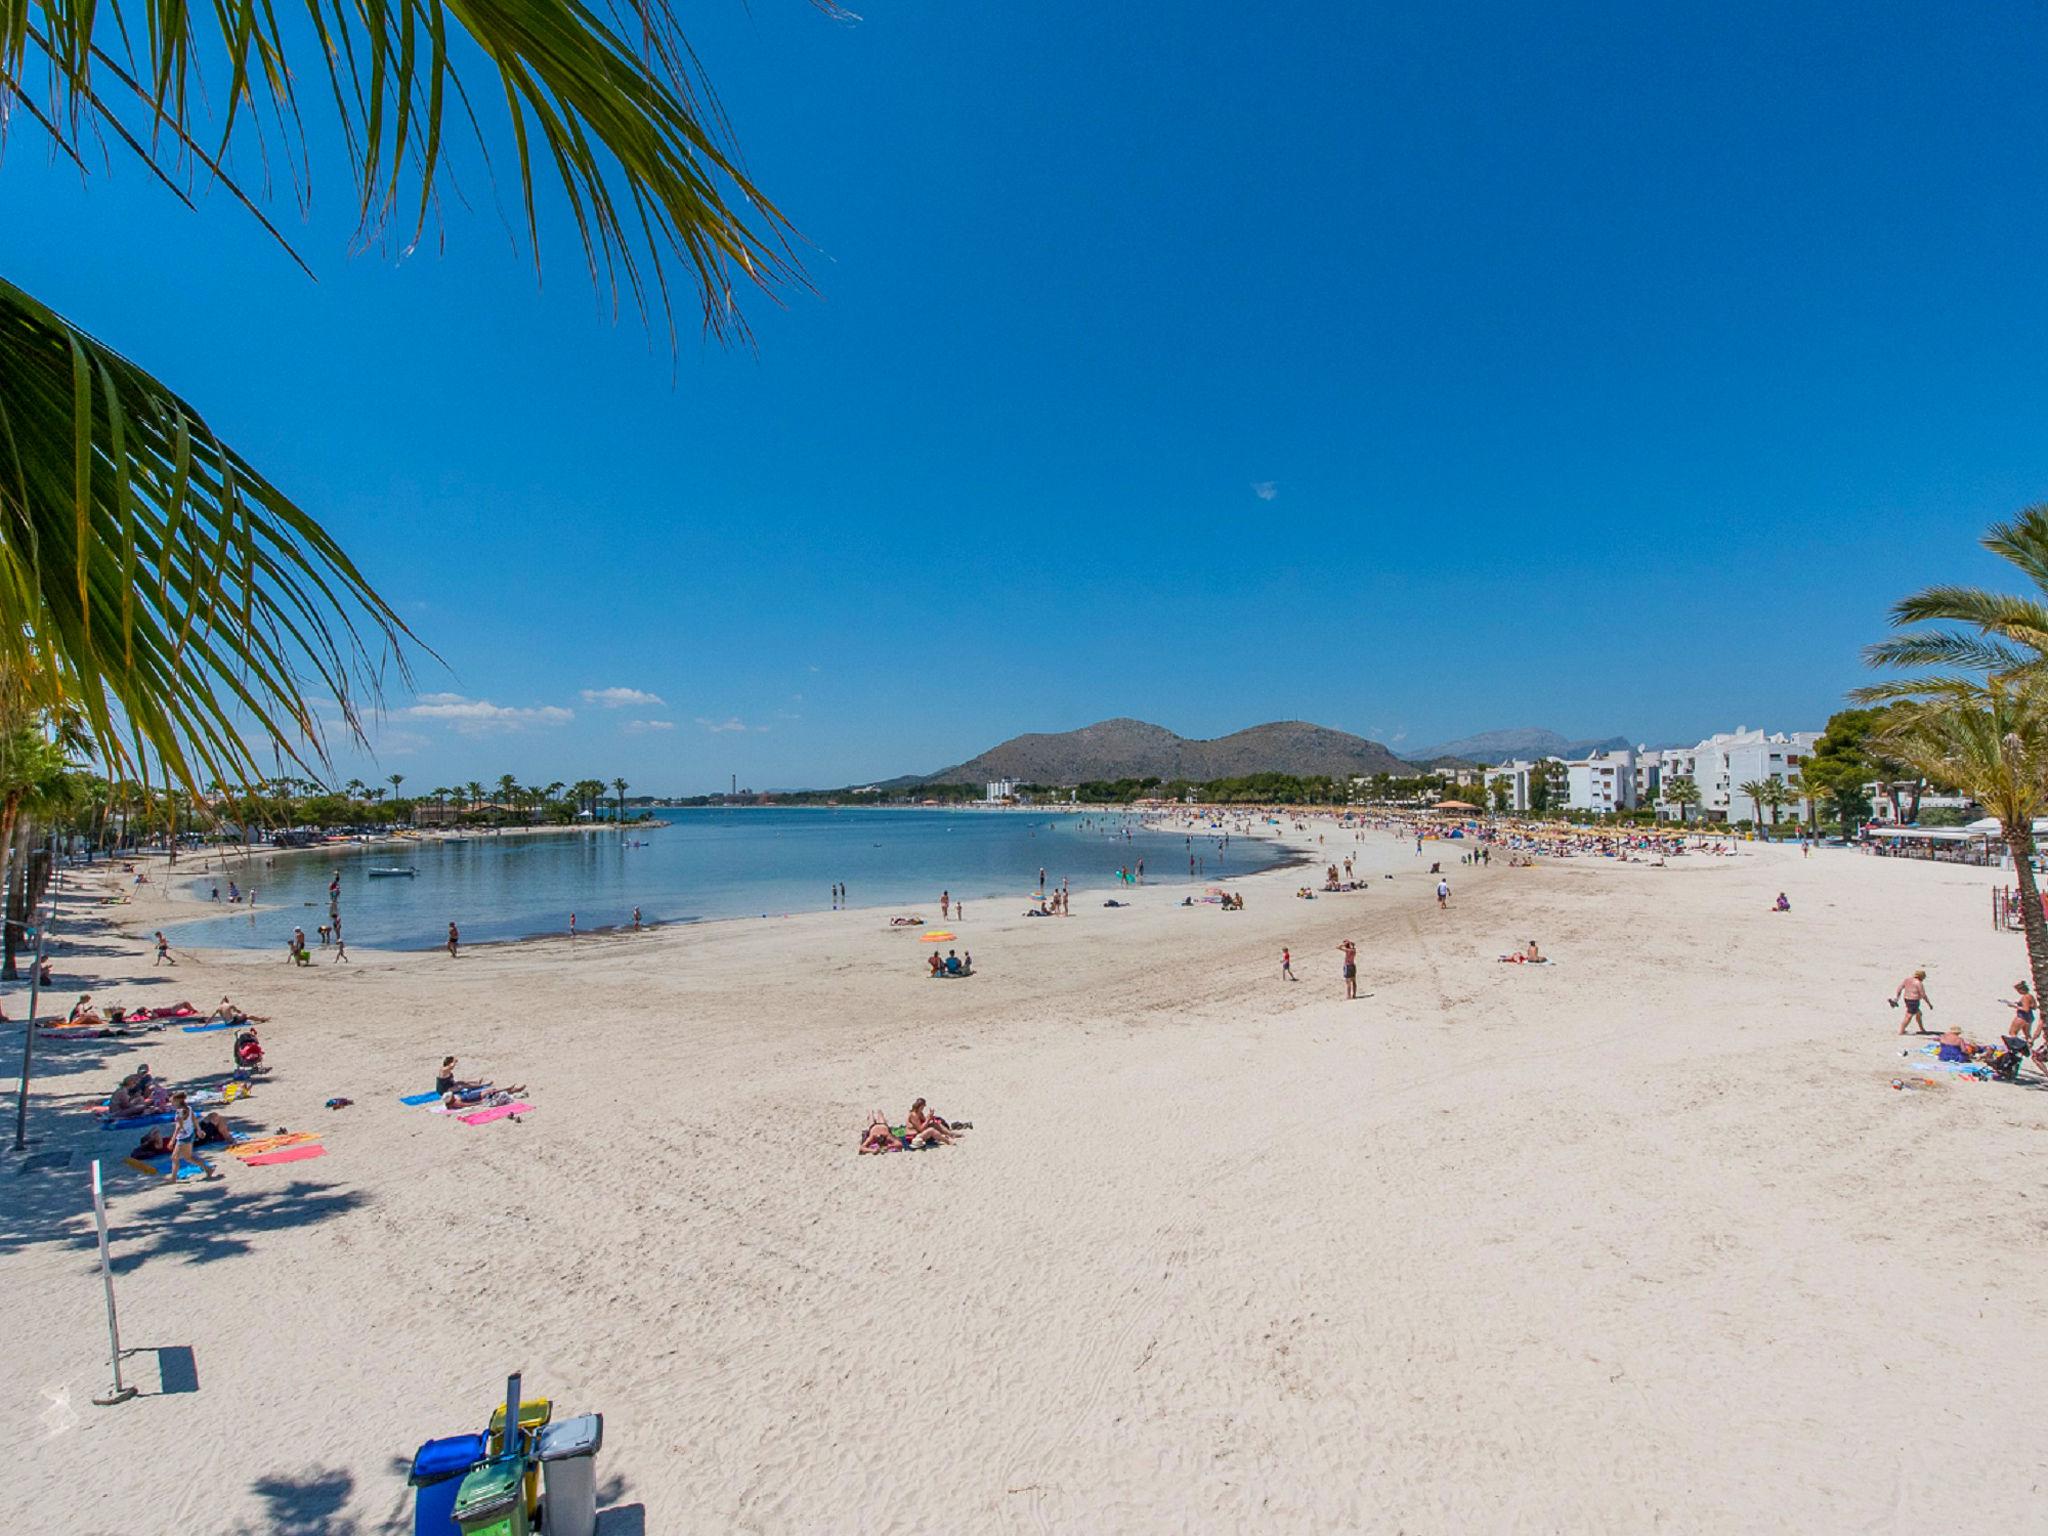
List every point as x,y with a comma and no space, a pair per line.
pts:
699,864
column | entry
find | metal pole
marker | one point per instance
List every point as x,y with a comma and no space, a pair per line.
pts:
119,1392
35,984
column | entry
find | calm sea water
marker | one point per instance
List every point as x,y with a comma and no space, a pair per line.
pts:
700,864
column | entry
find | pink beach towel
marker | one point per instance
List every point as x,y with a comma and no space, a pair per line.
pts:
288,1155
486,1116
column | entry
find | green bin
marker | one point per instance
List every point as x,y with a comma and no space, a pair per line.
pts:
534,1414
491,1501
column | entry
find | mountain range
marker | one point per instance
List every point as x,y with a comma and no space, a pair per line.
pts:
1135,749
1490,747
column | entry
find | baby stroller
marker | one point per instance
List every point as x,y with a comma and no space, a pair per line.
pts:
248,1054
2005,1063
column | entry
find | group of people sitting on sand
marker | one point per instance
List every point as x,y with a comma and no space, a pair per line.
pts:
952,965
1050,904
920,1128
456,1093
1529,954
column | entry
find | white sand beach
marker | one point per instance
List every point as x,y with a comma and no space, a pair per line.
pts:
1642,1240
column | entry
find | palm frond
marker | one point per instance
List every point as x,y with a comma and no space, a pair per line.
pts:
153,581
2024,542
1997,613
1946,648
611,102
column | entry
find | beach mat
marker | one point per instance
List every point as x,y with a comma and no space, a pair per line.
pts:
288,1155
201,1029
498,1112
158,1170
272,1143
417,1099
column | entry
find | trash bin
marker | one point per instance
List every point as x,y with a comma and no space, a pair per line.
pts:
534,1413
568,1456
491,1501
437,1470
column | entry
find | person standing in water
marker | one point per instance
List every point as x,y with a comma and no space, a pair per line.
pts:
454,940
636,919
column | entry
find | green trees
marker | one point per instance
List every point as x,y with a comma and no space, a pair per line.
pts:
1777,794
1682,792
1755,792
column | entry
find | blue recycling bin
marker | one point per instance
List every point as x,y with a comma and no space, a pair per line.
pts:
437,1471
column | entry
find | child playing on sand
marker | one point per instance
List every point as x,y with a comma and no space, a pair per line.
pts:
1287,964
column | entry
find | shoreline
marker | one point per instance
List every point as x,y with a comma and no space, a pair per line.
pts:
1273,839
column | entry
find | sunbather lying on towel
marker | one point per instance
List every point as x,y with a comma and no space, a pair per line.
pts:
156,1142
1530,956
878,1137
481,1093
906,922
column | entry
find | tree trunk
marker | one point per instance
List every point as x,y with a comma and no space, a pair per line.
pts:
2020,840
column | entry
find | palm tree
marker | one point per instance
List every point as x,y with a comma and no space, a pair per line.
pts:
473,792
395,780
1989,738
1755,790
508,791
620,786
177,595
1777,795
1683,793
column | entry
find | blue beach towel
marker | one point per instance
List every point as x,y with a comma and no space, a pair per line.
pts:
416,1099
136,1122
200,1029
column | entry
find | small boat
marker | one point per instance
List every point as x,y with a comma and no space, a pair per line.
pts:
389,874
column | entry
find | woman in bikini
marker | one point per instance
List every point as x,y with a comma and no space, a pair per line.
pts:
924,1126
878,1137
2024,1008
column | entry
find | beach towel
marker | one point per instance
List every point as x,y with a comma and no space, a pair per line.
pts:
416,1099
200,1029
486,1116
288,1155
272,1143
137,1122
186,1170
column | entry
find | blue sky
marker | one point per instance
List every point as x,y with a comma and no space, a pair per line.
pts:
1413,370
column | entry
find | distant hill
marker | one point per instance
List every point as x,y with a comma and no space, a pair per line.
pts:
1491,747
1133,749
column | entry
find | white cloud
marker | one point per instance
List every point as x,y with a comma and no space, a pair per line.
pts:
729,723
1266,490
623,698
641,727
477,717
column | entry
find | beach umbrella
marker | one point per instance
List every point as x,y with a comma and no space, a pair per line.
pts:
940,937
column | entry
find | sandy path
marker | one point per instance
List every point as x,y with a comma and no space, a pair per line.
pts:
1642,1240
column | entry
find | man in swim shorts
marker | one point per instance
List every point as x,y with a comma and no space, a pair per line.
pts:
1349,951
1913,992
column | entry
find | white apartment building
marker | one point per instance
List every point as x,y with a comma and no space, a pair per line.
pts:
1000,790
1727,760
1603,783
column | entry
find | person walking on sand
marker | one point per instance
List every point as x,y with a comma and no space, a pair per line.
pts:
341,950
185,1138
572,925
1443,895
1287,964
163,949
1913,990
1349,951
454,939
945,905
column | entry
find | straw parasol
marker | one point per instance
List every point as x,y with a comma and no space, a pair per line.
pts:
1454,805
